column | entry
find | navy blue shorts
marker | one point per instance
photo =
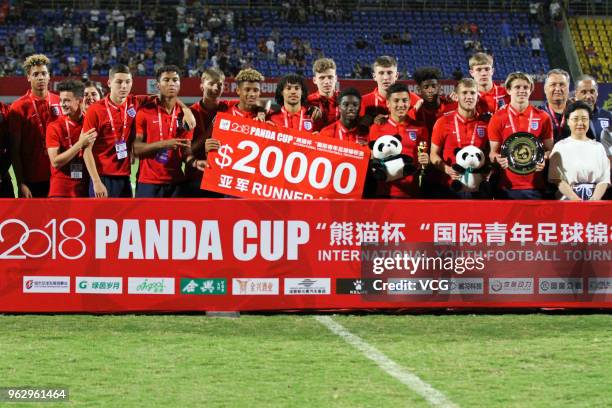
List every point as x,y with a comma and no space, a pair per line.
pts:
39,189
521,194
6,188
191,189
117,186
146,190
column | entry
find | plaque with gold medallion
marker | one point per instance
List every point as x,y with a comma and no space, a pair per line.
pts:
523,151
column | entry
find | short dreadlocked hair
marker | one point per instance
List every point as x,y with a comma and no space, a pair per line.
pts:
249,75
35,60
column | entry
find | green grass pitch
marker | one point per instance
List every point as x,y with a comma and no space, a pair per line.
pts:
532,360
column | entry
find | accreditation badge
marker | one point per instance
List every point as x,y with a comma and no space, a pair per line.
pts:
121,149
162,156
76,171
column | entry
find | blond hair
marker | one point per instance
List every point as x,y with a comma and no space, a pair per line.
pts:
517,75
480,58
249,75
466,83
384,61
213,74
322,65
35,60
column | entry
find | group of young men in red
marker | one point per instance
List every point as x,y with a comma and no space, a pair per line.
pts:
77,144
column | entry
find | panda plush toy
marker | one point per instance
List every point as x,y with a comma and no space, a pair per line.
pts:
388,163
470,163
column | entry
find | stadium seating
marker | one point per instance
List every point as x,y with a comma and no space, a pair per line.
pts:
595,32
431,45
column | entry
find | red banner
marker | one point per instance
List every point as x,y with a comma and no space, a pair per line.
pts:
86,255
190,87
258,160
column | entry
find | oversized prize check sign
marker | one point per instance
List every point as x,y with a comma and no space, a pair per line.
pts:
262,161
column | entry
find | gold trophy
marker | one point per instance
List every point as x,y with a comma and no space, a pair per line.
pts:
422,148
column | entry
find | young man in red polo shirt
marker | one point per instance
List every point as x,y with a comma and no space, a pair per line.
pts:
6,184
434,103
291,94
519,116
347,127
108,159
27,120
204,111
162,144
326,97
456,130
492,97
411,132
69,177
374,104
249,90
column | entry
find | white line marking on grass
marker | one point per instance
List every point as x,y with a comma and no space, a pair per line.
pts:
403,375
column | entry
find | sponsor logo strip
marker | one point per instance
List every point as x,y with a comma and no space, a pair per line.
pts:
557,286
307,286
151,286
600,285
465,286
346,286
207,286
511,286
46,284
255,286
99,285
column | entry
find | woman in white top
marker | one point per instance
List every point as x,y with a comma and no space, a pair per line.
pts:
579,165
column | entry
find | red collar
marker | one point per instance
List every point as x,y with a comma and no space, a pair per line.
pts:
31,95
326,98
464,119
287,113
396,124
515,113
114,105
379,97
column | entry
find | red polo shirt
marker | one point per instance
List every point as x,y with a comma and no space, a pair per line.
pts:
412,133
472,131
338,131
164,167
5,160
493,100
28,119
429,116
298,121
114,124
327,106
508,121
378,103
235,111
63,133
204,119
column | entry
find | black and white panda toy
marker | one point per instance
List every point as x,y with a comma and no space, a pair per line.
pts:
388,163
470,162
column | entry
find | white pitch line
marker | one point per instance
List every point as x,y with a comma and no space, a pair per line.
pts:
412,381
